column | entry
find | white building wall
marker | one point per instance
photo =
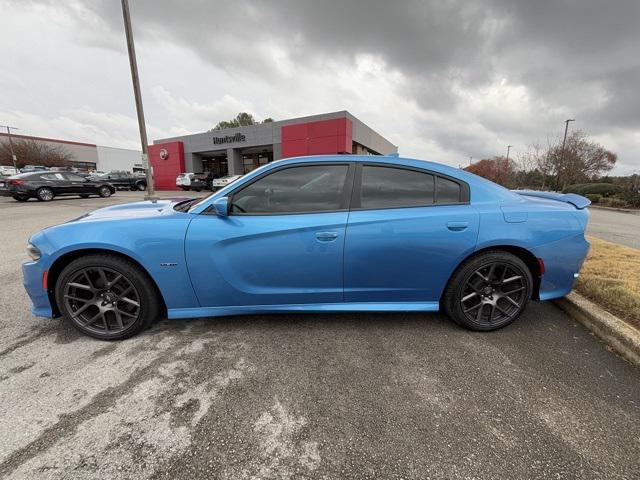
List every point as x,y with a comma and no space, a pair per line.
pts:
110,158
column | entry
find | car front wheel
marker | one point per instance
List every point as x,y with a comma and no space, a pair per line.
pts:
488,291
105,192
106,297
44,194
20,198
141,186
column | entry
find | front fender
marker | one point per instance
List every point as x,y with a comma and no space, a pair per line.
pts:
157,244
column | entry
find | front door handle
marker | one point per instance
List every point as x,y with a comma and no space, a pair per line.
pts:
457,226
326,236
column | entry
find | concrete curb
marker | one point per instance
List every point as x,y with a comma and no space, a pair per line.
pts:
612,209
623,338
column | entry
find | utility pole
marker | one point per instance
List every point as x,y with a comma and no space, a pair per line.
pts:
470,160
508,148
151,191
564,141
13,155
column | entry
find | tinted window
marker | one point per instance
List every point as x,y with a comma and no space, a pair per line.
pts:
299,189
384,187
448,191
52,176
74,178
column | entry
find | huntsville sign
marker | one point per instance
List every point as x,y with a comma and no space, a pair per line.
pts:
238,137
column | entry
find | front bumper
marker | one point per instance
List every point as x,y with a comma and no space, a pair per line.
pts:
33,274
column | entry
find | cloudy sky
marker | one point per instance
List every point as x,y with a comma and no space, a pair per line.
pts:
444,80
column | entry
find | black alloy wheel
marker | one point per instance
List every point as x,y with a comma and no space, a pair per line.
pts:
105,191
106,297
489,291
45,194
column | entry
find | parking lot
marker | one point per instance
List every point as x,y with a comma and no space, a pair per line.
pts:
304,396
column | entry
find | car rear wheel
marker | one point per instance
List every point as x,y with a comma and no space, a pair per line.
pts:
106,297
45,194
488,291
20,198
105,191
141,186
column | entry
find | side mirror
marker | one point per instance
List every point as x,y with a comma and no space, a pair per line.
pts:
222,206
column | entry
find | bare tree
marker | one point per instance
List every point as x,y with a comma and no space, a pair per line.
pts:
583,160
32,152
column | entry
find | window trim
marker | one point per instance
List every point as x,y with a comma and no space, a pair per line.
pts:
344,202
356,196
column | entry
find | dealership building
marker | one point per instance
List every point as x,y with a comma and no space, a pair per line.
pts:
87,156
236,151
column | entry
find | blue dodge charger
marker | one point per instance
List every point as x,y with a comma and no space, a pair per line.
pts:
314,234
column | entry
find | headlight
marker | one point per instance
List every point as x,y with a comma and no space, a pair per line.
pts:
33,252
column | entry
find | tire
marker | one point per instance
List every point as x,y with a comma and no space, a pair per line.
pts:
105,192
477,296
44,194
135,302
141,186
20,199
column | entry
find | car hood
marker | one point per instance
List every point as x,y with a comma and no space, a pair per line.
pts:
136,210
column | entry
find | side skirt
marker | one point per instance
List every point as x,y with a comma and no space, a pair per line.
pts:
309,308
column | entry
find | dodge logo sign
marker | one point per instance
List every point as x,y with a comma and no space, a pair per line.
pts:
164,154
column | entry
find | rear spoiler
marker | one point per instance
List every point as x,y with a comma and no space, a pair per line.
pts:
577,201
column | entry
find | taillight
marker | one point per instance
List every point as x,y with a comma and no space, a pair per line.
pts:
16,182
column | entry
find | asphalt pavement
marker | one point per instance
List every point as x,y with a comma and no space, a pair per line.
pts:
305,396
614,226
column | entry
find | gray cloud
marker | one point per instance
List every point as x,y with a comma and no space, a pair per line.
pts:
483,72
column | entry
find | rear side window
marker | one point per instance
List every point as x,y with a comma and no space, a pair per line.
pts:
52,176
313,188
74,178
387,187
447,191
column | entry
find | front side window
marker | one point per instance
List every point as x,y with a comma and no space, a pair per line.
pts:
388,187
313,188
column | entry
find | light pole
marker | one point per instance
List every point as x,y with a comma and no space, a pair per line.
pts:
470,160
564,141
508,149
138,97
13,155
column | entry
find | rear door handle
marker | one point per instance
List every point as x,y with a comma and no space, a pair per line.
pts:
457,226
326,236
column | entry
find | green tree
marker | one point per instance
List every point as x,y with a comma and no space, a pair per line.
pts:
243,119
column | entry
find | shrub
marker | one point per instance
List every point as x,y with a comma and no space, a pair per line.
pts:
604,189
614,202
594,197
